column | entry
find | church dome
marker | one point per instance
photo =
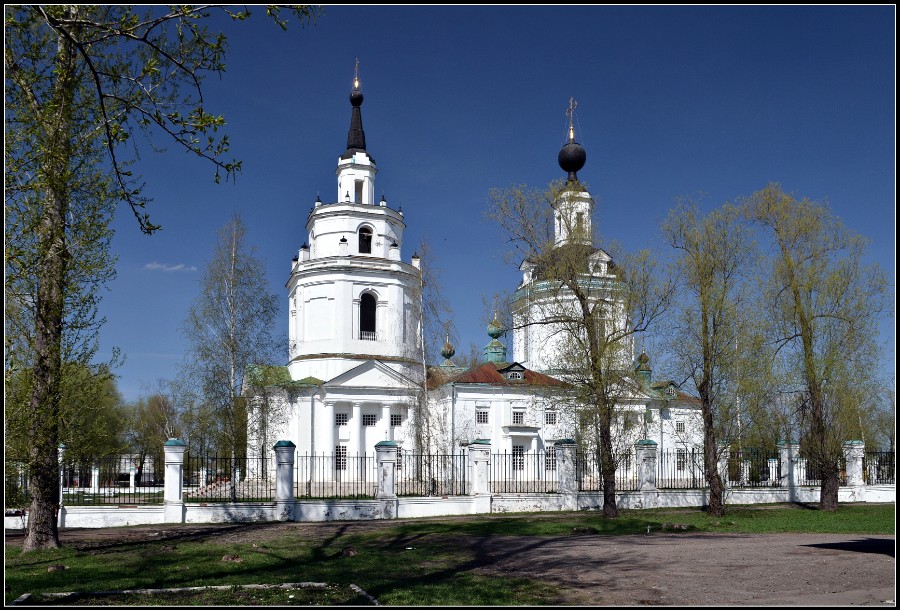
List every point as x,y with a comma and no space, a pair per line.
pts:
494,329
448,350
572,157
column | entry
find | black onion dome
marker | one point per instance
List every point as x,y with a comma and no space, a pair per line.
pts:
571,158
356,97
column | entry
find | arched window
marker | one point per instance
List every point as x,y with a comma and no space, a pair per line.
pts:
365,240
367,306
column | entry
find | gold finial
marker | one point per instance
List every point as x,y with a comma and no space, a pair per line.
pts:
570,112
356,75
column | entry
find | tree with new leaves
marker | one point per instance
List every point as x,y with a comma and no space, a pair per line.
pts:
823,304
590,304
81,81
229,332
712,323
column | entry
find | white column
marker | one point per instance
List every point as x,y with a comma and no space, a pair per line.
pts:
386,422
356,447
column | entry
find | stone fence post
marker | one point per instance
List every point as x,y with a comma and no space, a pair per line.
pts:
61,514
790,466
565,472
95,478
479,464
386,458
645,455
62,471
284,479
173,500
853,454
722,464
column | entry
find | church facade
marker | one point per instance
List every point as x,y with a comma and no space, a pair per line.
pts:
356,373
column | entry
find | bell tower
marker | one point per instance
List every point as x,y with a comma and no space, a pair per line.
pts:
351,297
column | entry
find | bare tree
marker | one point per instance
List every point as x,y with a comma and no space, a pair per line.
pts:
823,304
588,303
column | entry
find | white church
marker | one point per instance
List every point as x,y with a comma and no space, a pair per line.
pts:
356,373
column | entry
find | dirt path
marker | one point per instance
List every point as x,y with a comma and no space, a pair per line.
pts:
654,569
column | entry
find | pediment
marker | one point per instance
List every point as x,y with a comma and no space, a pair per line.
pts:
370,374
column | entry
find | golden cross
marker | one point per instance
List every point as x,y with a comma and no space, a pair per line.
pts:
570,112
356,74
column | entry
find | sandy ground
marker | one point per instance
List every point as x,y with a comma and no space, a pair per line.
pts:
655,569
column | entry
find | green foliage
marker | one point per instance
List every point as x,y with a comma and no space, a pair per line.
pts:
823,306
91,418
712,322
81,80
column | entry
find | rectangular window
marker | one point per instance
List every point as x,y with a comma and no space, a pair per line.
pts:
481,417
679,426
550,418
341,419
518,457
681,459
369,419
550,458
518,418
396,419
340,457
399,458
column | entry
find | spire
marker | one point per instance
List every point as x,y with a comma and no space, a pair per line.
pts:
572,156
356,137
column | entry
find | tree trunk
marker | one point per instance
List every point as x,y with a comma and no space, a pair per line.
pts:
716,505
828,494
608,465
42,530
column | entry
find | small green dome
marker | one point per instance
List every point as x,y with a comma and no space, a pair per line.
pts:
495,329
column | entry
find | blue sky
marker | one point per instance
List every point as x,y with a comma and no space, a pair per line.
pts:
672,101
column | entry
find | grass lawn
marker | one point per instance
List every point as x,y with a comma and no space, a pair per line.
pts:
412,563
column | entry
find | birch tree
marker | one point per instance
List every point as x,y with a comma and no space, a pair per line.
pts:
229,330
